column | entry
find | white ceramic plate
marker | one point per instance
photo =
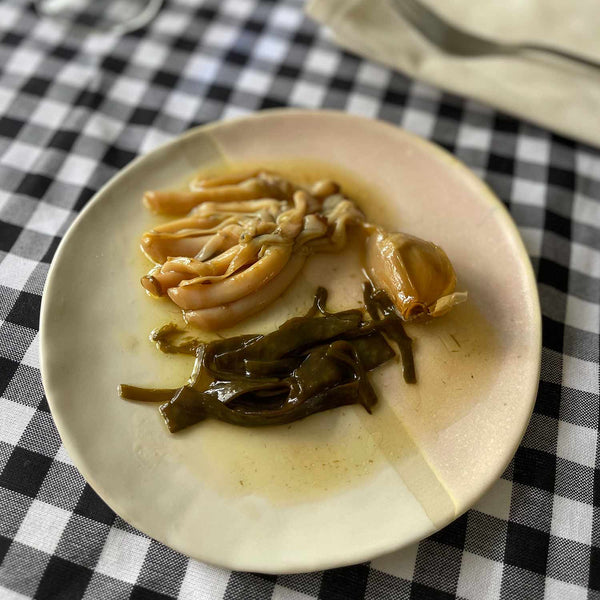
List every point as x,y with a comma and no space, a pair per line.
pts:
339,487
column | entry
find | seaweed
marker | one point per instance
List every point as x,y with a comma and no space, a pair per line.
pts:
312,363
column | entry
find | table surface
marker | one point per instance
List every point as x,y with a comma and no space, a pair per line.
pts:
73,111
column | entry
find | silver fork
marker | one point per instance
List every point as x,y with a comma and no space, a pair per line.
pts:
451,39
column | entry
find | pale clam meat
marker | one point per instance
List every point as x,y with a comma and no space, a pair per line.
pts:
416,274
245,238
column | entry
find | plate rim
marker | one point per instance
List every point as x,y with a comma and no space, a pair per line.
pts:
483,189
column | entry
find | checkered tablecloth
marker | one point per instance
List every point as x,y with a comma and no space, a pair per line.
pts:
73,111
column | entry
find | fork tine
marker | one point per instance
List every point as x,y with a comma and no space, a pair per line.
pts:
453,40
441,33
421,18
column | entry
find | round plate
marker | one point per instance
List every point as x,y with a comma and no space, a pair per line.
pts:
339,487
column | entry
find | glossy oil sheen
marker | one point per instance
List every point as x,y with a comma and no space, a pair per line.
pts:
325,453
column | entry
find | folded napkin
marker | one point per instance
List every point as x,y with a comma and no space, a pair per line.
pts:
554,93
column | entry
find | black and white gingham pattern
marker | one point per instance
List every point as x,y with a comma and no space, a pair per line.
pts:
74,110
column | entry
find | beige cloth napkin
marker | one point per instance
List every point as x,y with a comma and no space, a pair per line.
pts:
559,95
